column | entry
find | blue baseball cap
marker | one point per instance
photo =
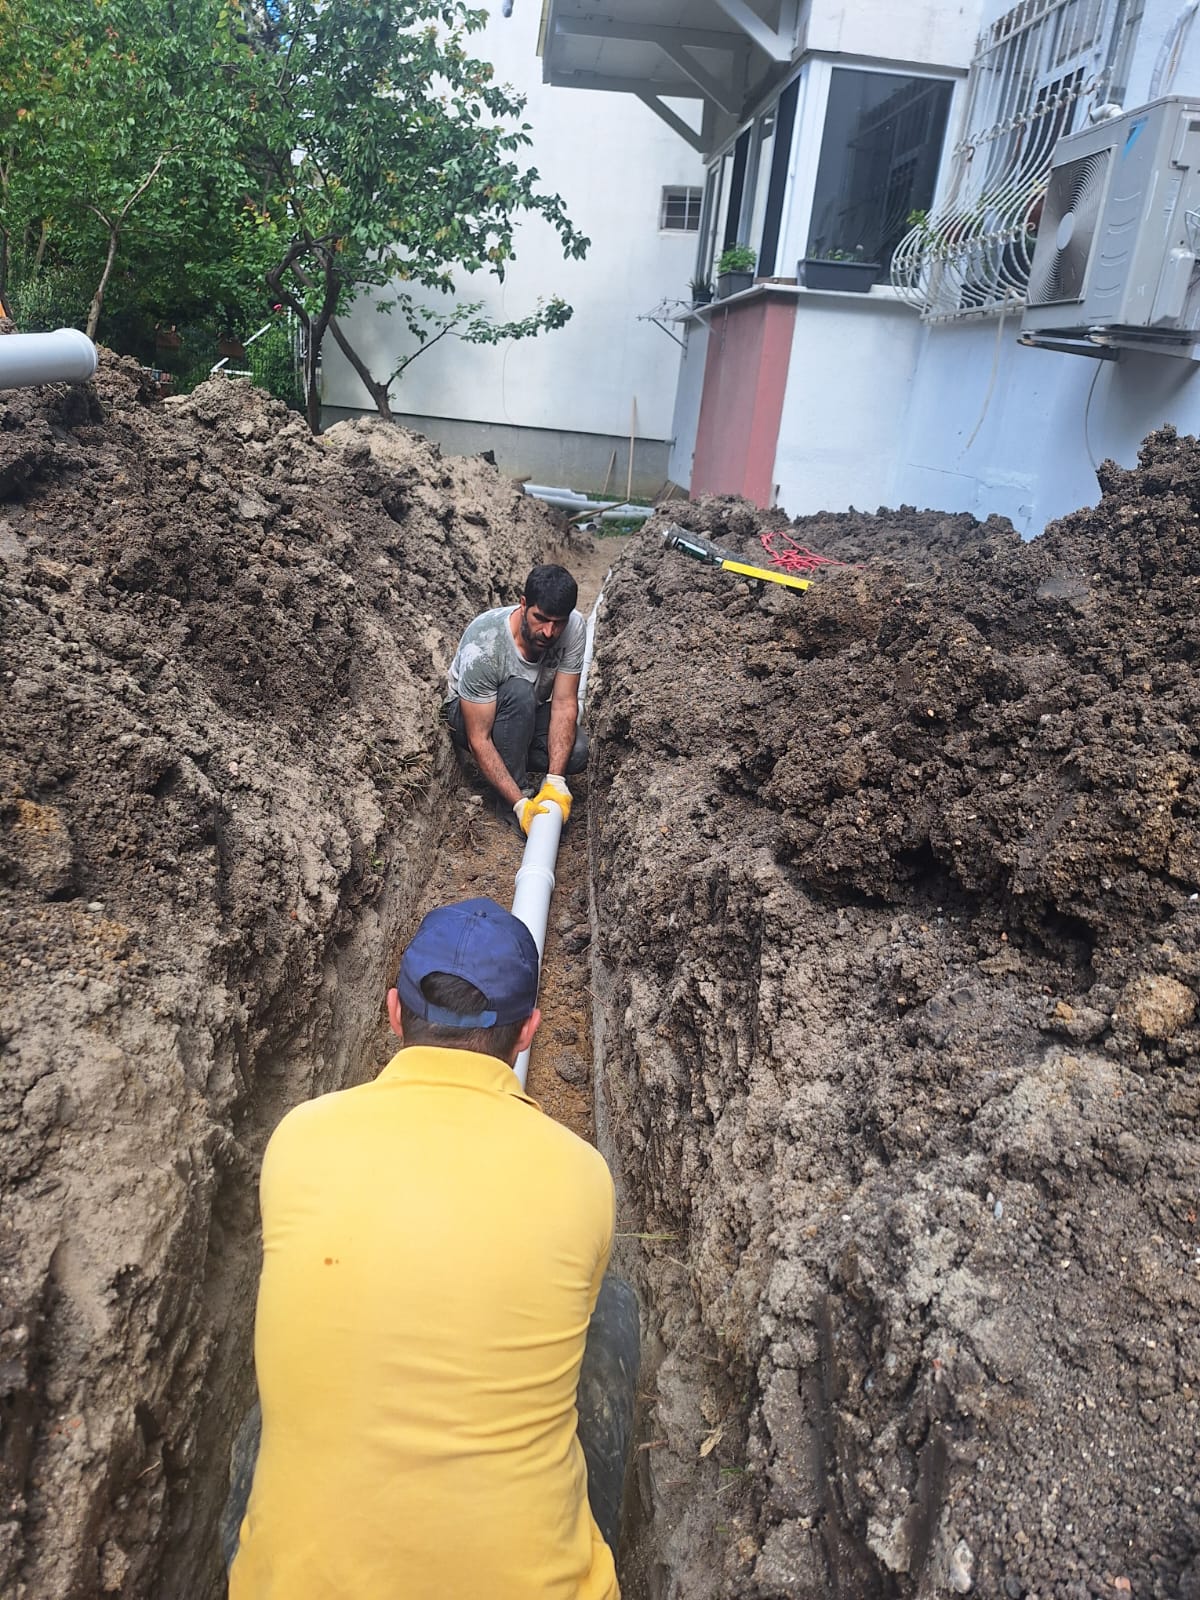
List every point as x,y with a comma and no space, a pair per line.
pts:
481,942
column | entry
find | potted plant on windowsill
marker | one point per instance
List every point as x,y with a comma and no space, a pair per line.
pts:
838,269
735,270
702,291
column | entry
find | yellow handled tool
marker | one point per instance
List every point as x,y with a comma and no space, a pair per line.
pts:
692,545
784,578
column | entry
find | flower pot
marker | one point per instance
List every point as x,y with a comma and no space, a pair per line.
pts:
733,283
851,277
702,297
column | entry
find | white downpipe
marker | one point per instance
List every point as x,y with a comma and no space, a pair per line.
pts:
535,879
28,359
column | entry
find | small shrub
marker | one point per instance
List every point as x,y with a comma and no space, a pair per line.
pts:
738,258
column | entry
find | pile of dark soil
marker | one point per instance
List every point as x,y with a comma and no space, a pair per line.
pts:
895,950
222,651
898,953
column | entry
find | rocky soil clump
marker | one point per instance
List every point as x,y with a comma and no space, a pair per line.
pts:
897,961
222,652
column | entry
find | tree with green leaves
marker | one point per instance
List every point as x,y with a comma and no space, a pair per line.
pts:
388,156
120,139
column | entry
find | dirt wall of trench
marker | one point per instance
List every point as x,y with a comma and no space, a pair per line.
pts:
222,650
896,960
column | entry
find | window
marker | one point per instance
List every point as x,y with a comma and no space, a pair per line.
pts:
777,183
1036,71
762,150
746,188
879,161
680,211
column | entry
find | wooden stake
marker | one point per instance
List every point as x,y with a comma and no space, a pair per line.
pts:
632,438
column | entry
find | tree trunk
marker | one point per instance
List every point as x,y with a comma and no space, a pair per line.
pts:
379,392
93,319
316,335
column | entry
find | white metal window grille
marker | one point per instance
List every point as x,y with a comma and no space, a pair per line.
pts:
680,210
1038,70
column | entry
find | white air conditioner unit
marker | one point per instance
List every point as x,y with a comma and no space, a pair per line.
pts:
1117,243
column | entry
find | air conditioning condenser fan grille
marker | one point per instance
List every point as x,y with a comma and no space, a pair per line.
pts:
1070,215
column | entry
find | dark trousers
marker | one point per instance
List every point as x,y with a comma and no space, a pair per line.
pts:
519,732
607,1383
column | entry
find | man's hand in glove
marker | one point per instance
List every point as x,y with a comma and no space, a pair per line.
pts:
526,809
555,788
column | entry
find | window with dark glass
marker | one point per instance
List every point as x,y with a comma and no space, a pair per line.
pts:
879,162
680,211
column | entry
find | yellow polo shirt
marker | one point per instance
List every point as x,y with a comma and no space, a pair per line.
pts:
433,1247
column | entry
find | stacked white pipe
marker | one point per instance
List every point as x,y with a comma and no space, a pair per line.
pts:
29,359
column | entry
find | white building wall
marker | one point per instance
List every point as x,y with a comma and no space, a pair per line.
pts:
853,363
882,30
845,409
1030,458
907,32
687,401
609,157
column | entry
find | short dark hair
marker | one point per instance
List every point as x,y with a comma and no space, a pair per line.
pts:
456,994
552,590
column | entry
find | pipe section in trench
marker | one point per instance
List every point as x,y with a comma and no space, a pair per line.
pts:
535,877
29,359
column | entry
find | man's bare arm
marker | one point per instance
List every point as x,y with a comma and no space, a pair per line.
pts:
478,721
564,717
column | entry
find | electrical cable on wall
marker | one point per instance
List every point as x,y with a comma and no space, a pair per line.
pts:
991,388
1087,411
1169,55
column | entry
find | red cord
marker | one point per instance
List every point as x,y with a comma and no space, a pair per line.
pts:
795,558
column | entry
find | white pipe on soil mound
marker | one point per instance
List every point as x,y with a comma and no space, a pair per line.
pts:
535,879
64,356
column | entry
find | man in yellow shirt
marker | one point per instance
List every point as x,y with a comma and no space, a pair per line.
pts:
433,1250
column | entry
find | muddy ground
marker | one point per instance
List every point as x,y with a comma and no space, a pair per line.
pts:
222,784
897,956
892,940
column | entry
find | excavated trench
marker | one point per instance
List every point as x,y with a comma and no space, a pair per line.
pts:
878,912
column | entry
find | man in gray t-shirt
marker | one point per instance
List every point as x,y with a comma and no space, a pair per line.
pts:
513,694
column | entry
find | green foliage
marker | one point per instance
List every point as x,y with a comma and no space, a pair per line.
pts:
53,296
389,160
738,258
193,162
120,153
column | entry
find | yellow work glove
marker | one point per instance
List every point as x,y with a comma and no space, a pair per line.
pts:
555,788
526,809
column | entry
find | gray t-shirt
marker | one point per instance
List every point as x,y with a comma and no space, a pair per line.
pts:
487,656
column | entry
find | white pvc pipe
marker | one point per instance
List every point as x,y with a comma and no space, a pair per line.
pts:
542,491
28,359
535,879
589,643
569,500
535,885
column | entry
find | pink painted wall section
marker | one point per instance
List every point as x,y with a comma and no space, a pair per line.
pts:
745,376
